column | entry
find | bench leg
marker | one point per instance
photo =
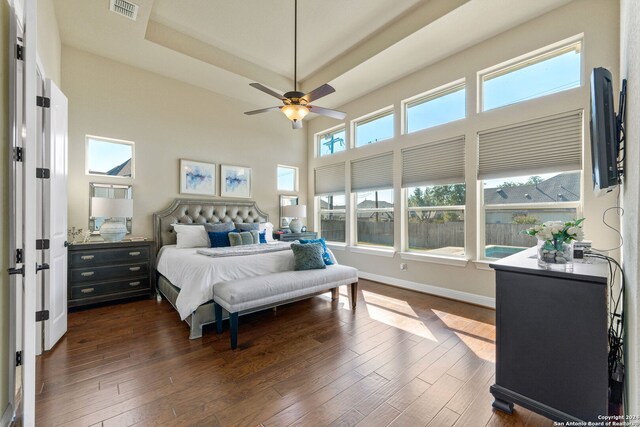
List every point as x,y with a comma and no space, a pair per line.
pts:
217,308
353,295
335,294
233,320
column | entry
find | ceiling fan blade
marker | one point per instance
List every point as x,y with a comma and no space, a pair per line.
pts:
267,91
327,112
319,92
297,124
262,110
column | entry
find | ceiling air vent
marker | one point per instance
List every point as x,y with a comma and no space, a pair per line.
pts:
124,8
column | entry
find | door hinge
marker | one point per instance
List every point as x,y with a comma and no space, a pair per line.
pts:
43,101
43,173
43,266
42,244
41,316
19,52
17,154
18,256
18,358
16,270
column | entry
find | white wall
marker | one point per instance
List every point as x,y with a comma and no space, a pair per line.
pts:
630,69
597,19
168,120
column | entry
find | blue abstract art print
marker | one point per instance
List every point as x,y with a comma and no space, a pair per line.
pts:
197,178
235,181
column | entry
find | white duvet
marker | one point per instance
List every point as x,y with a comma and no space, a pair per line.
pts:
195,274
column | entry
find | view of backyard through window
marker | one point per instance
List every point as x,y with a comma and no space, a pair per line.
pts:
374,211
333,218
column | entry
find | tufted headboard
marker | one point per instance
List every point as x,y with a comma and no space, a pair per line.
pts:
194,211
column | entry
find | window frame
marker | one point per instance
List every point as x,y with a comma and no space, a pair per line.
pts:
132,144
295,179
344,211
368,118
431,95
333,130
523,61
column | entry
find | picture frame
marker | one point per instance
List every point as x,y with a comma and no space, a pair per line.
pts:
197,178
235,181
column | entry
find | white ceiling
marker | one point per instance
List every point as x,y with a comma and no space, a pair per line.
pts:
355,45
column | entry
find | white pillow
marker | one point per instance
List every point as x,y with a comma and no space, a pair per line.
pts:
191,236
267,227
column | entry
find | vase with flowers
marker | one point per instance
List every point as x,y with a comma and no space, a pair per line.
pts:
555,243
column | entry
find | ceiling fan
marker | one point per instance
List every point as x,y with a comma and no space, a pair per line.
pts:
296,104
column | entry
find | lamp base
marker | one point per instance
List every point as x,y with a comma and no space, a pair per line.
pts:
295,225
112,231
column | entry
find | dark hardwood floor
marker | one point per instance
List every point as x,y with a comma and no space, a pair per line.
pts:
402,359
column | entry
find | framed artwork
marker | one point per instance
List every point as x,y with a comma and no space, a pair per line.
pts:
235,181
286,200
197,178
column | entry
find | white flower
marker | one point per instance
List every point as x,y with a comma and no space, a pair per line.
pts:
579,234
572,231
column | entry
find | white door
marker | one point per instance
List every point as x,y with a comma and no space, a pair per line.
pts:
55,214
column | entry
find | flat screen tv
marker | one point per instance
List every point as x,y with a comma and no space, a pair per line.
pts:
604,132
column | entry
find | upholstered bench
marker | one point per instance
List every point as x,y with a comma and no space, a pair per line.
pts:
256,293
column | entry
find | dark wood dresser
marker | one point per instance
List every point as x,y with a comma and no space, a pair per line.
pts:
289,237
102,272
551,339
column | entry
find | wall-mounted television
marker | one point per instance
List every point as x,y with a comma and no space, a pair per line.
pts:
606,132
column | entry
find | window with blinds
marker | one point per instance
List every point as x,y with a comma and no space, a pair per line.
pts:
372,173
440,162
330,179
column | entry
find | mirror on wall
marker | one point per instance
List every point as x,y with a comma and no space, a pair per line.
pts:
286,201
107,191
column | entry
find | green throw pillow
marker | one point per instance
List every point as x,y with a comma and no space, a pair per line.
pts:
244,238
308,256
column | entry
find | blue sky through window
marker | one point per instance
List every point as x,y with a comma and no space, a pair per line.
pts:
375,130
286,178
436,111
106,155
332,142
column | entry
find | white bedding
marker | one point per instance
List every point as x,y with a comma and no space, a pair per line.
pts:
196,274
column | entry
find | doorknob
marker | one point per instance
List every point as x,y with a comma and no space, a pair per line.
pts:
66,244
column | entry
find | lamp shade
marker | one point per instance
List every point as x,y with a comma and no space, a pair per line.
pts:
294,211
111,208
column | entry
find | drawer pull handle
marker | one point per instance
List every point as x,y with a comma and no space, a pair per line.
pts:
87,273
87,290
134,253
134,283
134,268
87,257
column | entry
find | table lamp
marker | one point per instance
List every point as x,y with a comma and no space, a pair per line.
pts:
111,229
296,212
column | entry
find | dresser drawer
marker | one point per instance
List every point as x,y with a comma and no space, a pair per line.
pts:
90,290
97,274
83,258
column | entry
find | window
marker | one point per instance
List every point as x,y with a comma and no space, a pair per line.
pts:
515,204
374,217
541,75
287,178
109,157
331,142
436,219
333,218
437,108
374,129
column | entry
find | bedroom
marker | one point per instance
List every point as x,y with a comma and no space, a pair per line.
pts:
177,93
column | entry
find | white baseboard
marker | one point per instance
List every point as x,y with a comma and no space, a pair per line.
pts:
7,416
430,289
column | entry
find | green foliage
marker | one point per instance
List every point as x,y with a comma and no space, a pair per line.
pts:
531,181
438,195
525,219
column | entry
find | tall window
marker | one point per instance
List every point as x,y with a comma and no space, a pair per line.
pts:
287,178
374,215
436,219
331,142
374,129
515,204
333,218
437,108
538,76
109,157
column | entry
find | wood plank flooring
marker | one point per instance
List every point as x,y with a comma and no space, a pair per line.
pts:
401,359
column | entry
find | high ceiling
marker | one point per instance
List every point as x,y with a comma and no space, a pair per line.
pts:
355,45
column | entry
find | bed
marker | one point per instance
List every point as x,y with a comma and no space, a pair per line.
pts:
198,311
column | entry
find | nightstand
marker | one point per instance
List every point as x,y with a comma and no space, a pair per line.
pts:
296,236
103,272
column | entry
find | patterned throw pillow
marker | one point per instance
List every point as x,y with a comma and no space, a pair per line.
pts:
308,256
219,239
326,256
244,238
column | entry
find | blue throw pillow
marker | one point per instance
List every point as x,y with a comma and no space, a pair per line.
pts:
219,239
326,256
308,256
263,236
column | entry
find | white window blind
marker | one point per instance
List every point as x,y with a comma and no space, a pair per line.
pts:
372,173
330,179
549,144
440,162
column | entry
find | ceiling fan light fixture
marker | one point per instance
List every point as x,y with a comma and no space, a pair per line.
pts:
295,112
